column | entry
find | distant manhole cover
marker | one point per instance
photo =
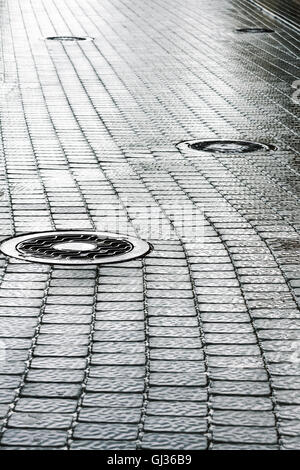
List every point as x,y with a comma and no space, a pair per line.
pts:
69,38
254,30
227,146
74,247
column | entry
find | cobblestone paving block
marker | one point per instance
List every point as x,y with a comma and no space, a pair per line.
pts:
86,444
115,385
240,388
41,420
55,405
175,440
51,390
113,400
110,415
255,374
106,431
131,371
175,424
291,443
242,403
175,343
176,408
245,434
180,393
244,418
55,376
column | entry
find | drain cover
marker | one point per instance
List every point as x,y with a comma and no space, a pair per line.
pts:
69,38
227,146
254,30
74,247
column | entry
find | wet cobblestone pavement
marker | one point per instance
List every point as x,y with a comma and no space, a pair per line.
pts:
196,345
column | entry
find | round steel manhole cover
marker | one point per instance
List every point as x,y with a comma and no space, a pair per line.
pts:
254,30
226,146
74,247
69,38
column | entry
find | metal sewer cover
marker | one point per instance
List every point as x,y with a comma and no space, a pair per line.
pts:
254,30
229,146
74,247
68,38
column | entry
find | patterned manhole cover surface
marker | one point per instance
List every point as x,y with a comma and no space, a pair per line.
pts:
74,247
68,38
254,30
227,146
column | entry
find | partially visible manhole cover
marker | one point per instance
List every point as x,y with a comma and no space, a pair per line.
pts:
74,247
287,250
69,38
227,146
254,30
288,244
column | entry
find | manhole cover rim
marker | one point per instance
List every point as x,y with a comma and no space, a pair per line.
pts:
140,248
255,30
68,38
187,145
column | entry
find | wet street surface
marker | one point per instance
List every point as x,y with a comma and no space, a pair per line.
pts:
112,113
